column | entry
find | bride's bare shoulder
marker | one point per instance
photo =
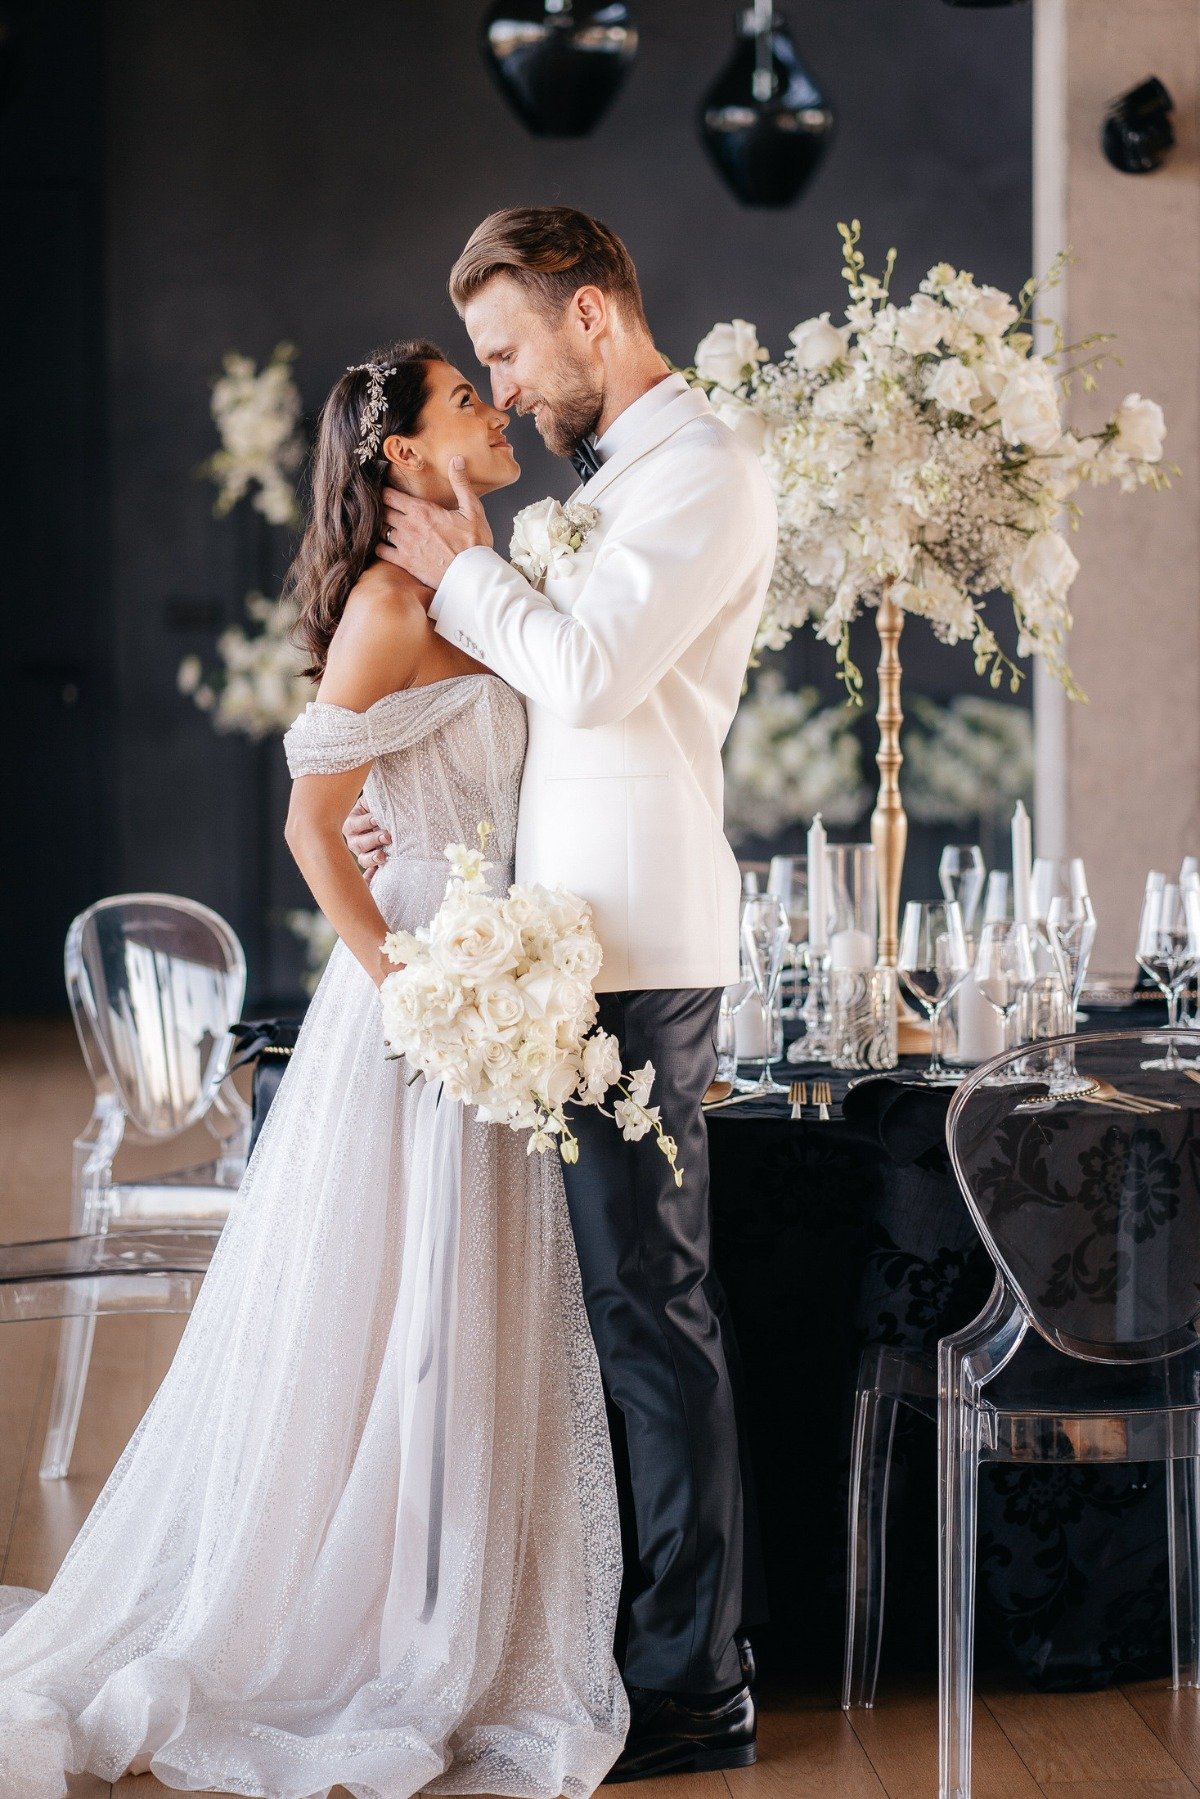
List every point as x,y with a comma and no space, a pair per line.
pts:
381,638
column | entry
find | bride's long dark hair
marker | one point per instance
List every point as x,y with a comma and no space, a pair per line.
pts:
345,507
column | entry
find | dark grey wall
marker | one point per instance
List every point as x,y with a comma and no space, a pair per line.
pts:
307,171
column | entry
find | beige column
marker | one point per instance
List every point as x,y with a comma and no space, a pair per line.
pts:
1119,778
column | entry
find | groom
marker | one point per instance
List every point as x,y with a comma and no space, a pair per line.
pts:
631,660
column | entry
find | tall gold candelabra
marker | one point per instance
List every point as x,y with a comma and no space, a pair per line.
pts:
889,822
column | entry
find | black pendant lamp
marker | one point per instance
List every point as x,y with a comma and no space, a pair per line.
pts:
765,121
559,63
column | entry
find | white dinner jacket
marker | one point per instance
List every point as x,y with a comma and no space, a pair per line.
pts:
632,662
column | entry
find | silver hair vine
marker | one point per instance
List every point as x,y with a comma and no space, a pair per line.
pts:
370,423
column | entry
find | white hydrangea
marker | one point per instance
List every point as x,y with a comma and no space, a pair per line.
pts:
261,687
257,413
920,449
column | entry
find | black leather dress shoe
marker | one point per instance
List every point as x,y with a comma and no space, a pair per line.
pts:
669,1734
745,1649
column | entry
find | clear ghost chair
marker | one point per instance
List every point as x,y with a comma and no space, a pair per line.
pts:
1086,1352
155,982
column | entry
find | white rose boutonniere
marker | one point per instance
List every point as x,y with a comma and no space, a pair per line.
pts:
547,535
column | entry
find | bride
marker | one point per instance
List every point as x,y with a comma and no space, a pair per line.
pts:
366,1533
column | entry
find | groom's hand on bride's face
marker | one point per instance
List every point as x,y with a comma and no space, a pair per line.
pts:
424,538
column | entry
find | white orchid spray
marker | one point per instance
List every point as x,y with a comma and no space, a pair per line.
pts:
494,998
261,687
257,413
920,449
787,758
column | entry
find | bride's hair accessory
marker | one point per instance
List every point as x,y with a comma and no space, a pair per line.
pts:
370,422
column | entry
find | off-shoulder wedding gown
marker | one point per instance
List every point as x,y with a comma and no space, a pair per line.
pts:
366,1532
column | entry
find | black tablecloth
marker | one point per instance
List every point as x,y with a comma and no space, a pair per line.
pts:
830,1236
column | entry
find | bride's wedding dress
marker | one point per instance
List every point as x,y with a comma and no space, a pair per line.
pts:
366,1532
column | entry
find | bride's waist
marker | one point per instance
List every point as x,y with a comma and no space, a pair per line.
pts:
409,888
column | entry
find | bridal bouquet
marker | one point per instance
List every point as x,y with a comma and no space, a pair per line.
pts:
920,448
495,1000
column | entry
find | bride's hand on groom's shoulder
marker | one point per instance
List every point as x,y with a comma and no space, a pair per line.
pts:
424,538
366,840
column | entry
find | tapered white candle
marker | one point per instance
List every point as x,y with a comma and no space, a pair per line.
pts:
1079,888
818,888
1022,861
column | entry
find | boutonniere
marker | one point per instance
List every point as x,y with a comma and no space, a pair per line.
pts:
547,535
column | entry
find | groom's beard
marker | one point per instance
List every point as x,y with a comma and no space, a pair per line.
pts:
569,416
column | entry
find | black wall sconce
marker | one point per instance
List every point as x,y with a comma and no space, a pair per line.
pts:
559,63
1137,130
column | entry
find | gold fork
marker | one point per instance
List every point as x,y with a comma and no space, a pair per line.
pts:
798,1098
822,1099
1105,1094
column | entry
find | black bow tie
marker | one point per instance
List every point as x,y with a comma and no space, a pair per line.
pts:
584,459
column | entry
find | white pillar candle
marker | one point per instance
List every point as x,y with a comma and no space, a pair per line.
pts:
851,949
1022,861
980,1027
818,888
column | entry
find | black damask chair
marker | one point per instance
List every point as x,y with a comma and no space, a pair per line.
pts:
1086,1352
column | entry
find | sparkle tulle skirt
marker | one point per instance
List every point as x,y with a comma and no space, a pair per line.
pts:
366,1532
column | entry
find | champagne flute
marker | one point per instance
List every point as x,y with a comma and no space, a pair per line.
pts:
1004,973
787,879
961,878
932,963
765,939
1168,948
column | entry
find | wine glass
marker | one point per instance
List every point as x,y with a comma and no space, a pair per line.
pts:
1071,931
1004,972
932,962
1168,948
961,877
765,940
787,879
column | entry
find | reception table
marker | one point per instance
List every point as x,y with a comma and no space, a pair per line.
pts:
832,1235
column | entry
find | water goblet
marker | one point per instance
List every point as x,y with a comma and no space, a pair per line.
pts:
765,939
1005,970
1168,948
932,962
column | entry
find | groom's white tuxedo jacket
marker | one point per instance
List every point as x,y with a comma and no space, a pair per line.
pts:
632,662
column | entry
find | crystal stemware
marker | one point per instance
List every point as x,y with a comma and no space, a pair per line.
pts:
1168,948
932,963
961,878
787,879
1004,972
765,940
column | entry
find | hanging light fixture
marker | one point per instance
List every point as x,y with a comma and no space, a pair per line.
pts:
765,121
559,63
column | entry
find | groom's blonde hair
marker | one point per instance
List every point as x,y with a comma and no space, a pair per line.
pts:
552,251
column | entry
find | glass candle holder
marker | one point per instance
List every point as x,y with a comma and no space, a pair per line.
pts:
862,1018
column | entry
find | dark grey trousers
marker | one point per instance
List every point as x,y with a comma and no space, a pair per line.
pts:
659,1322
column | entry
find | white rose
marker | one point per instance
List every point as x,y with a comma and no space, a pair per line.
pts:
530,548
578,954
729,354
953,385
501,1008
742,420
990,312
473,940
1044,569
920,324
499,1065
557,1082
816,343
1140,428
1028,405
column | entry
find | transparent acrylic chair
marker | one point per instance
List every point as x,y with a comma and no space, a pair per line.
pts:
155,982
1086,1351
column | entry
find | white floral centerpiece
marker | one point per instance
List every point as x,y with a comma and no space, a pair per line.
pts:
257,413
919,450
494,998
261,687
787,758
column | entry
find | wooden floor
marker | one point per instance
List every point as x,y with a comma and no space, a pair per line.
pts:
1138,1742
